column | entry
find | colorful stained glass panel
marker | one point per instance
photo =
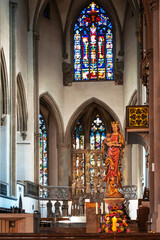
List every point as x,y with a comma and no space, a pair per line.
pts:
93,45
43,176
78,136
98,133
109,54
77,55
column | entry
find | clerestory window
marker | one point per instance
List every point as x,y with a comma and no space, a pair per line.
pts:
93,45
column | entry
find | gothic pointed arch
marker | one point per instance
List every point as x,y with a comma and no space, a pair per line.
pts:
73,13
47,101
22,110
85,133
4,86
54,134
103,107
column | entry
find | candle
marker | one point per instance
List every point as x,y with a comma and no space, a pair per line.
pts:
96,208
101,207
114,226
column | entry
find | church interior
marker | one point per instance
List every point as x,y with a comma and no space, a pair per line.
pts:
70,72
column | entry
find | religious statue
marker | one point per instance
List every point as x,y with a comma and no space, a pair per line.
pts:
49,209
57,210
112,149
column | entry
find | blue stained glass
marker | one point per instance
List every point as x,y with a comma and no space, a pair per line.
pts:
110,25
78,136
98,133
90,45
43,173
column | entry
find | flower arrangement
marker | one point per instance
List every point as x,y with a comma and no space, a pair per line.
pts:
115,217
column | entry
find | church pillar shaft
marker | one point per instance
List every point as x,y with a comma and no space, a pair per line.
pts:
156,90
13,97
36,106
63,173
151,130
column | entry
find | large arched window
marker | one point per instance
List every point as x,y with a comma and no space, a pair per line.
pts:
43,175
89,131
93,45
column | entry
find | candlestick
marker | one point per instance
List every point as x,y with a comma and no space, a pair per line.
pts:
114,226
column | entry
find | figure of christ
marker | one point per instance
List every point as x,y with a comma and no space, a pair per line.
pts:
113,148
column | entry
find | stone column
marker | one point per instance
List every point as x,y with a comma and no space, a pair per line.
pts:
63,173
151,131
139,82
30,104
156,94
13,97
36,105
127,165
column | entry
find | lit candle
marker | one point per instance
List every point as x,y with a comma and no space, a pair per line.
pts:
114,226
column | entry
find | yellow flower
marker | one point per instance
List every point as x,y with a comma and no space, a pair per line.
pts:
106,230
122,228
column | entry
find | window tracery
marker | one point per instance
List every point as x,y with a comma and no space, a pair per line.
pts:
93,45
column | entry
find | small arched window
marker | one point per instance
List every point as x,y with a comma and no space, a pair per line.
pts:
43,175
93,45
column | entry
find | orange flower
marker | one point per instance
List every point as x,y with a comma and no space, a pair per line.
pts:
106,216
103,226
115,207
114,213
125,224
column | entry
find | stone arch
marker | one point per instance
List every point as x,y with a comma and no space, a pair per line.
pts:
4,84
81,108
55,136
22,111
38,13
47,100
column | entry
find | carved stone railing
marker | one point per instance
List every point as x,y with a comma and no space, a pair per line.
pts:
66,193
55,193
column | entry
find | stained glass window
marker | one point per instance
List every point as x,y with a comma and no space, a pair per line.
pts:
78,136
97,135
93,45
43,152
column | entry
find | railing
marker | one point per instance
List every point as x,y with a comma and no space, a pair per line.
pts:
66,193
55,193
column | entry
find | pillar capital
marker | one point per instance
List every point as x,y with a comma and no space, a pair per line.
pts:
13,5
36,36
154,4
